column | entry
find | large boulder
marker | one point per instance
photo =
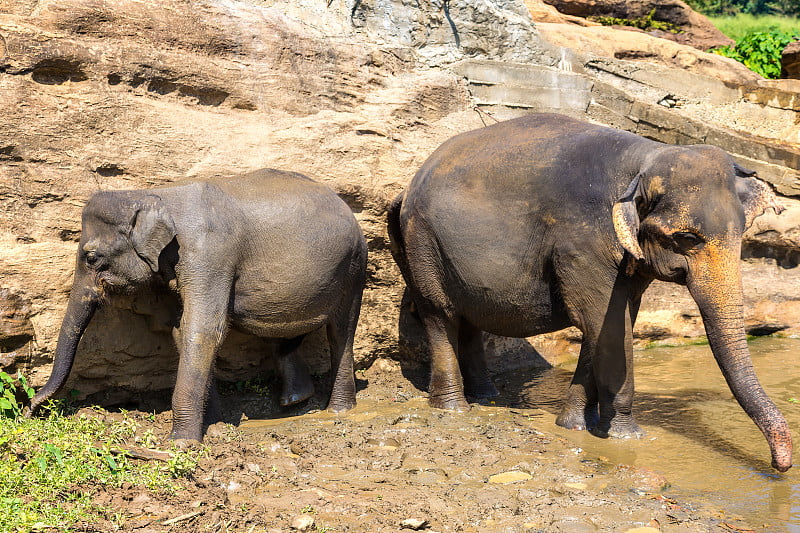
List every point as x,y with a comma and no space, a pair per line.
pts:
790,61
696,29
612,42
106,94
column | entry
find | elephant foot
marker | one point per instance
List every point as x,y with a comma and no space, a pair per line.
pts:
185,444
341,406
619,428
186,432
578,419
459,405
299,390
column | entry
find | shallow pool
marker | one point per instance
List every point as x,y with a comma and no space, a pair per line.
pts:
697,435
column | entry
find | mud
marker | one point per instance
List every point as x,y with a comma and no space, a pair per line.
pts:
394,464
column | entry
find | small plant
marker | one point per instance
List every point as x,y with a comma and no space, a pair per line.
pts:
52,466
646,22
759,51
307,509
14,392
182,464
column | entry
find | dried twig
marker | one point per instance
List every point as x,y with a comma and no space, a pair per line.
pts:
181,518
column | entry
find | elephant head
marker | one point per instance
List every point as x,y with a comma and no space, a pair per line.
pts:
686,229
122,237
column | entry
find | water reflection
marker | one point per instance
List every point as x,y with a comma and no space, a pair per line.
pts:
697,435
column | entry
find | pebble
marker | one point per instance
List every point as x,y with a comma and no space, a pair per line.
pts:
510,477
386,443
302,523
413,523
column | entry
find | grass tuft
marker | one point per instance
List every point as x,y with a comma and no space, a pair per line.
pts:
51,468
739,26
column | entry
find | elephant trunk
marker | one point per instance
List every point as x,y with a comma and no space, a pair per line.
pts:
714,282
83,301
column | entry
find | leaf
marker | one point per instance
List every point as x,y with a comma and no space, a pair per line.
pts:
112,464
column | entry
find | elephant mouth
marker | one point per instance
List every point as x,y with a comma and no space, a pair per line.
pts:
105,284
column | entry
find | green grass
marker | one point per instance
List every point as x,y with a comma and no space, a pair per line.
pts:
738,26
51,468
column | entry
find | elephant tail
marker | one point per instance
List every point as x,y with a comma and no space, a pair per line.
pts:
397,244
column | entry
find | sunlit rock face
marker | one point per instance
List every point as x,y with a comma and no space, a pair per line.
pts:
122,94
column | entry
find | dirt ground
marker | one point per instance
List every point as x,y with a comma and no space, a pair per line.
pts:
393,464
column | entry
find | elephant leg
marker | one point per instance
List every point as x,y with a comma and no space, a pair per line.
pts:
612,366
580,409
202,328
296,384
472,361
446,390
214,404
341,335
600,397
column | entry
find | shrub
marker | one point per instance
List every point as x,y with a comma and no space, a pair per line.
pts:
13,393
646,22
759,51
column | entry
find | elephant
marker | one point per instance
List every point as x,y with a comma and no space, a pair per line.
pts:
270,253
537,223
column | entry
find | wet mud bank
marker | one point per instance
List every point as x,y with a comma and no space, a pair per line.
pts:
393,464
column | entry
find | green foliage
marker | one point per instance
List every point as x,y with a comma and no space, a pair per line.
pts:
51,468
759,51
738,26
13,394
789,8
646,22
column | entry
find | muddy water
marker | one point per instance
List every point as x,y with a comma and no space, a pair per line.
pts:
697,435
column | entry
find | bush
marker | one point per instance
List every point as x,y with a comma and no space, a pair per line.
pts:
646,22
13,393
789,8
759,51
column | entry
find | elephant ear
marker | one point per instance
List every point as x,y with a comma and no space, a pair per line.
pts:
626,218
152,229
756,195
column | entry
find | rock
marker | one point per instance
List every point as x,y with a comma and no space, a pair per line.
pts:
103,95
303,522
543,12
510,477
696,30
790,61
16,329
776,236
413,523
606,41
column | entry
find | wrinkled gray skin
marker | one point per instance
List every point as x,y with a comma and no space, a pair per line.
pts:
271,253
534,224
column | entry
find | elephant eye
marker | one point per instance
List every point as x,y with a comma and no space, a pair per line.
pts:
687,240
91,258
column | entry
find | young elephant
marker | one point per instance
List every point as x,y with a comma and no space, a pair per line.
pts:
534,224
271,253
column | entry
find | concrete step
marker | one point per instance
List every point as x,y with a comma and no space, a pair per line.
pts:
638,100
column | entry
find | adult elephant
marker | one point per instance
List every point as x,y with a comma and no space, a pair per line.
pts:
534,224
274,254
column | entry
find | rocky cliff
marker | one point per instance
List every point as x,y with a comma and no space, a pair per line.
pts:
107,94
